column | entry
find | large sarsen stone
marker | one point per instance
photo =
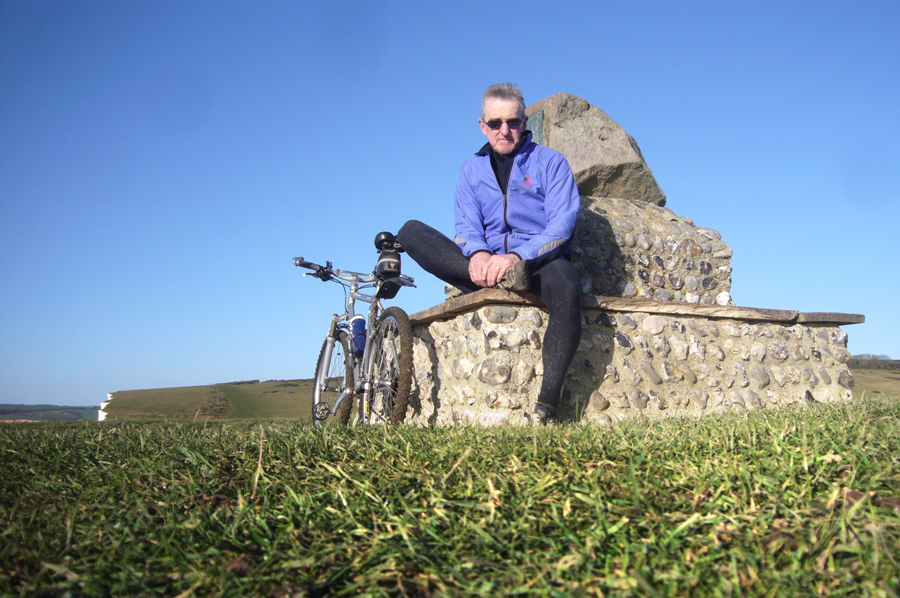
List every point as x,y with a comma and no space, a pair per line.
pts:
606,160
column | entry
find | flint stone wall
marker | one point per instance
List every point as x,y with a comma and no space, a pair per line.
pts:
626,248
483,365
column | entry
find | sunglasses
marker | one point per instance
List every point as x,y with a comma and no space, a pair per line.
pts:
513,123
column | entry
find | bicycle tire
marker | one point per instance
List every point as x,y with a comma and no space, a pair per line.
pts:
338,377
392,366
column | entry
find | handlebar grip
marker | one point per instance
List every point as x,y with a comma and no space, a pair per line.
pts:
320,272
300,262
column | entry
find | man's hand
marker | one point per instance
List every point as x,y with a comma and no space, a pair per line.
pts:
478,267
487,270
497,267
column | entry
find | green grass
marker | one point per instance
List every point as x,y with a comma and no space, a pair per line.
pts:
790,502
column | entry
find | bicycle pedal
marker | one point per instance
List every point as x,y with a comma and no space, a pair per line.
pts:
322,411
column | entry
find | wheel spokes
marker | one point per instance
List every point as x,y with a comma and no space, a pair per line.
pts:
385,373
332,378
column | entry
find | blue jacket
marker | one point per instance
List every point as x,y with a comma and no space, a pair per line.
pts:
536,215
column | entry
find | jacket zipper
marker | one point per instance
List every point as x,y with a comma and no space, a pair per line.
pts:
506,222
505,219
505,206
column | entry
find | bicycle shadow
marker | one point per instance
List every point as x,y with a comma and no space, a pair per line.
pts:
424,396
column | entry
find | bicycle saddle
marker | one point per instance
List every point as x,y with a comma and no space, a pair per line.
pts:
387,241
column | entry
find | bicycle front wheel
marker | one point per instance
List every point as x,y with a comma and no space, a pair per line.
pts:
334,376
391,367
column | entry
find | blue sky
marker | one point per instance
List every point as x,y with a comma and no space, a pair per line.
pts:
162,162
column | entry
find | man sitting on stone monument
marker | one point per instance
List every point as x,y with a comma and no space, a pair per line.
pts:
516,204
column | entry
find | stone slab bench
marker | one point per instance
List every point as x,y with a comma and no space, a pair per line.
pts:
477,359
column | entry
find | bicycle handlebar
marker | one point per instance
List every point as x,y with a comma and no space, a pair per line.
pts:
327,272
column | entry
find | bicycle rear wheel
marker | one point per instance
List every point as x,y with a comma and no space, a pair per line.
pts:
391,378
334,375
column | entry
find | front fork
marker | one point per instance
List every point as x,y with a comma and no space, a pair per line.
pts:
322,375
368,361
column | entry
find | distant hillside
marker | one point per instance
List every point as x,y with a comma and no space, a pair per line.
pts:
47,413
232,400
862,362
876,381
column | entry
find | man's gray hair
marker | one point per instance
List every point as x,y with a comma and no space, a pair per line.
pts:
504,91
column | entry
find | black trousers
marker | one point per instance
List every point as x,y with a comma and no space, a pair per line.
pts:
552,278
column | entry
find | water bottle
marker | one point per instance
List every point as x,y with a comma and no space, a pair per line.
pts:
358,329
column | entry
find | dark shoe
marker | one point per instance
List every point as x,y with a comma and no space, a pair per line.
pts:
516,277
544,416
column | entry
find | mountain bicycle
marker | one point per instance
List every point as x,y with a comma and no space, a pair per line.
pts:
370,359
